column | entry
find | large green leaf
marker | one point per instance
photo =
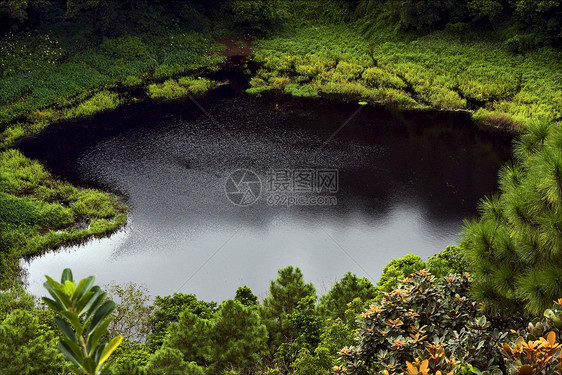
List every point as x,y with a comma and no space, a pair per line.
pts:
98,351
70,288
83,287
100,315
51,286
90,365
96,334
85,302
65,328
96,303
68,353
74,321
66,276
110,348
57,291
54,305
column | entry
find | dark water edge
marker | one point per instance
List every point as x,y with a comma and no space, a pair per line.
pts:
406,182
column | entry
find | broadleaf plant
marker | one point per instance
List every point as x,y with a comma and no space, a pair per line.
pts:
83,314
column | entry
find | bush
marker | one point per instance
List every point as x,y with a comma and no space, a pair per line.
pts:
495,120
169,361
424,318
126,47
305,91
376,77
167,90
102,101
196,86
93,204
258,90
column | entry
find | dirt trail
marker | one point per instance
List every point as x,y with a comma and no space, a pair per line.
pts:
233,50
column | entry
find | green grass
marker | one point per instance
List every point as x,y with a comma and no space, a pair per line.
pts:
42,82
502,89
38,212
172,89
101,101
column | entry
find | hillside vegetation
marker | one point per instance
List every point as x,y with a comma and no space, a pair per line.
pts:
491,306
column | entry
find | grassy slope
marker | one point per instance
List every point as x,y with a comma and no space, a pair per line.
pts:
434,71
43,82
38,212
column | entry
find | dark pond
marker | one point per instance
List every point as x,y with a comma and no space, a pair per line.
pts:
386,185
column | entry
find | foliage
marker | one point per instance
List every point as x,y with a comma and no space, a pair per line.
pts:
172,89
533,357
307,326
435,71
167,310
169,361
167,90
539,351
132,316
320,362
285,293
14,298
423,319
397,269
335,303
255,15
102,101
233,338
245,296
305,91
38,212
82,316
447,262
27,347
514,247
239,338
196,86
130,358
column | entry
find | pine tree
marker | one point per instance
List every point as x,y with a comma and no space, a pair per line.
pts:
285,292
169,361
168,309
334,304
192,335
245,296
239,338
515,247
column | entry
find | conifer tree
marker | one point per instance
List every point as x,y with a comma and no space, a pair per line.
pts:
239,339
515,247
334,304
246,296
285,292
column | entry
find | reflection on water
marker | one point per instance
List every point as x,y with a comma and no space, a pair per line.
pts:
406,181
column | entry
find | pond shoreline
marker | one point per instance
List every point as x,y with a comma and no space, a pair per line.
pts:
233,74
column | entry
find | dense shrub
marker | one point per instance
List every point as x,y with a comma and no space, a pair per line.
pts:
167,90
102,101
126,47
424,318
169,361
305,91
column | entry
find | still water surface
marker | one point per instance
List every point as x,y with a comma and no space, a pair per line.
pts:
405,183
